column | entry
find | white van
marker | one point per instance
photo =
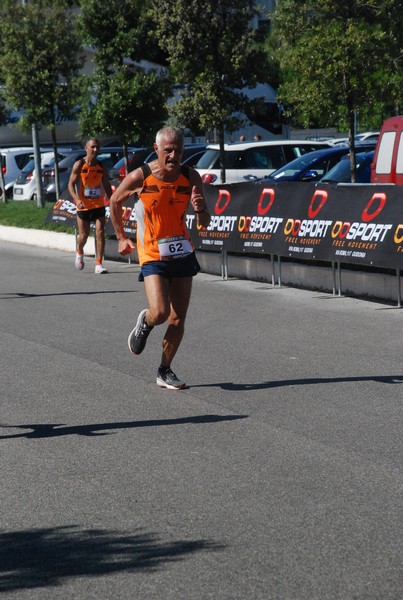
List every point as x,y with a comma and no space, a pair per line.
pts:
246,161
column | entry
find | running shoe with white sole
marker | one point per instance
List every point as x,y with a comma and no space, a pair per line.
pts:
138,337
100,270
166,378
79,262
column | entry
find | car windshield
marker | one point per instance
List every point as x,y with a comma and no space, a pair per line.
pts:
121,162
71,159
208,159
233,159
30,166
341,173
296,166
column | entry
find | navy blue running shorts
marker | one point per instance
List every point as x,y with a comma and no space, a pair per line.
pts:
91,215
187,266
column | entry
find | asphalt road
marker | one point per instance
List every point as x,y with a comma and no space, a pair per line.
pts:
276,475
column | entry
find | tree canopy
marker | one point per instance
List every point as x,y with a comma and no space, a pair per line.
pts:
340,59
214,51
40,57
121,98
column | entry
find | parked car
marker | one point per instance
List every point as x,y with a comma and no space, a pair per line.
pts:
247,161
108,155
366,137
312,166
192,159
341,172
13,160
25,185
136,157
189,151
191,154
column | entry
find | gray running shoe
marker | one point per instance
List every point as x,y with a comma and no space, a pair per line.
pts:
167,378
138,337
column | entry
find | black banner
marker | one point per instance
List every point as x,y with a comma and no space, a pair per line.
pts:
64,212
361,224
358,224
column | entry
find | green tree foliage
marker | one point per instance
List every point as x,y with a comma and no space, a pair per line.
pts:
40,55
213,49
390,13
127,105
119,30
336,61
121,99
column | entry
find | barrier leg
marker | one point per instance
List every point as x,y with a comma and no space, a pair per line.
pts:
399,295
273,281
339,278
224,265
279,270
334,277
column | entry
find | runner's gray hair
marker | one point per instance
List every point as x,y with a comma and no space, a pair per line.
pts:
171,133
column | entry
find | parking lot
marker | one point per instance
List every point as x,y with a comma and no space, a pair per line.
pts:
275,474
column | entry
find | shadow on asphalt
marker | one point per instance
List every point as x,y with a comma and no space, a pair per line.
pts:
46,430
24,296
47,557
266,385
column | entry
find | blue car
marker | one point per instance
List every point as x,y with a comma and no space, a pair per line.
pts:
310,167
341,173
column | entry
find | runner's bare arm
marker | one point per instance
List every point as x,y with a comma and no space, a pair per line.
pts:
106,182
131,184
74,182
197,199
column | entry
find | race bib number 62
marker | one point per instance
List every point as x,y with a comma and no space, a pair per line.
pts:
174,247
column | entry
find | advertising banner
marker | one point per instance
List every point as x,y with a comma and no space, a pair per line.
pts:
349,224
64,212
357,224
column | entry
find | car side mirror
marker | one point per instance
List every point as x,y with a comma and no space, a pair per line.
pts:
310,176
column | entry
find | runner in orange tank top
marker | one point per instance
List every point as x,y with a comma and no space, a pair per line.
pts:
88,178
166,254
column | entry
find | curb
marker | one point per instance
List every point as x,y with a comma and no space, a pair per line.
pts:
44,239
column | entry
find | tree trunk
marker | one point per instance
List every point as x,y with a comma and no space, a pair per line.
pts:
56,165
222,154
351,134
38,165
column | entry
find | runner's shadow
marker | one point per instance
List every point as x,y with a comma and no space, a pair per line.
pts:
24,296
49,557
46,430
266,385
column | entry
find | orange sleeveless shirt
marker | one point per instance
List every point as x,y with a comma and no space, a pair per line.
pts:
161,215
90,187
